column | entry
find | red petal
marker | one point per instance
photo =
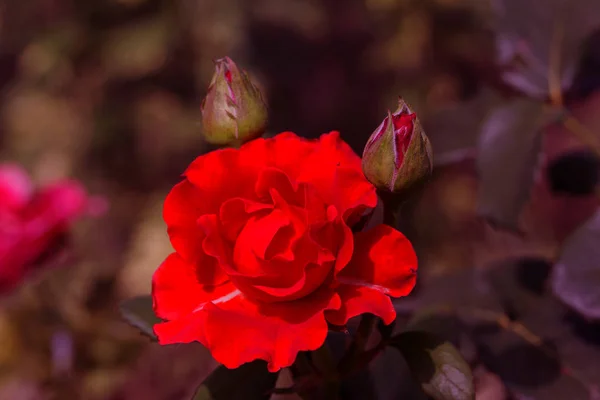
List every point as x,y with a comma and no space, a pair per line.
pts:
178,287
234,213
293,280
182,208
334,238
186,329
238,331
346,249
288,152
227,173
357,300
15,186
336,172
383,260
309,280
29,229
273,178
224,174
383,264
358,195
256,243
214,244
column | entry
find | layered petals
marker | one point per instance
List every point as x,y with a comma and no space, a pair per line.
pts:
265,256
239,331
383,264
336,171
34,222
179,287
182,207
223,174
357,300
15,187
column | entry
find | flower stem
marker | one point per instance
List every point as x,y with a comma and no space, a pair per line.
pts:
358,344
391,202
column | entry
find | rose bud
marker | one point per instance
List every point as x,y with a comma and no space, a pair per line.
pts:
398,154
233,111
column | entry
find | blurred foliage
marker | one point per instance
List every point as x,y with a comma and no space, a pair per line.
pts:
108,91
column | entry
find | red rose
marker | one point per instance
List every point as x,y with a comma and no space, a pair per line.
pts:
264,255
31,221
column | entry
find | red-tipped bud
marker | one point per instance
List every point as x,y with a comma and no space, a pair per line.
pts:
398,154
233,111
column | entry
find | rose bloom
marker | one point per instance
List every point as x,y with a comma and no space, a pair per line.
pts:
264,253
31,221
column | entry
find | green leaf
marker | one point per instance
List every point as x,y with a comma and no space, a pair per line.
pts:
138,312
508,153
576,275
437,365
251,381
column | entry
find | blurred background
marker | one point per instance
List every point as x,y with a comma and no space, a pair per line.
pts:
108,92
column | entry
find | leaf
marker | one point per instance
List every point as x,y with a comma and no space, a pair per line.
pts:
437,365
138,312
533,35
251,381
576,275
508,152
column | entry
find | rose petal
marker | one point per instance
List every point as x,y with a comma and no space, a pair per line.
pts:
335,170
273,178
214,174
57,204
179,287
383,260
238,331
383,264
226,173
334,238
357,300
185,329
234,214
288,152
253,245
358,195
32,226
183,206
15,186
215,245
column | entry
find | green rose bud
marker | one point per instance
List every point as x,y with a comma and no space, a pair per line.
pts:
233,111
398,155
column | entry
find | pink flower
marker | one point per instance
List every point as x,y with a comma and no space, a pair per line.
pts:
32,221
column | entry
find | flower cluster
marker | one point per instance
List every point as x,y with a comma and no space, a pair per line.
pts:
267,251
32,221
